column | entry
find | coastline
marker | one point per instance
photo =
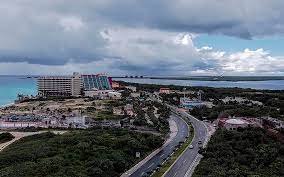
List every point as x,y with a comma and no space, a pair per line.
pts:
7,105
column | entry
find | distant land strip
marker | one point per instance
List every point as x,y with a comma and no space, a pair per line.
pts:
210,78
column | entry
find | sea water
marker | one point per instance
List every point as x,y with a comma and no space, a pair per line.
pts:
11,86
262,85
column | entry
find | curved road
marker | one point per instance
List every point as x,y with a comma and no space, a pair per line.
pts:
157,160
184,165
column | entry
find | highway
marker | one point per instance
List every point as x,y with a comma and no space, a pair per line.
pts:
184,165
157,160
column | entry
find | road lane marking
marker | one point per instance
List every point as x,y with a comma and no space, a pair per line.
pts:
184,161
175,174
151,165
142,173
162,155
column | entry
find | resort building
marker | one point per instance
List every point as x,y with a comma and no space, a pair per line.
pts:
60,85
98,81
72,85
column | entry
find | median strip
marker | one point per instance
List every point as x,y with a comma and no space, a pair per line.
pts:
166,165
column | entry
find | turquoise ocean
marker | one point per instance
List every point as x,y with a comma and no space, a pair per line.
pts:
10,86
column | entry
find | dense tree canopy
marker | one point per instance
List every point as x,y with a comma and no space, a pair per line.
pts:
245,152
100,153
4,137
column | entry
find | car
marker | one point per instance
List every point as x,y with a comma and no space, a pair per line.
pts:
199,142
190,146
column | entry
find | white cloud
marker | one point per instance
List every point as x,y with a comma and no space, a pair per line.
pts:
144,51
248,61
71,23
148,48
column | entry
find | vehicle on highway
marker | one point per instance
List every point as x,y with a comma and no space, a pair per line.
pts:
199,142
190,146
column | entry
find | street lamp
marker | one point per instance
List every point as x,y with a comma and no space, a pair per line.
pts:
184,89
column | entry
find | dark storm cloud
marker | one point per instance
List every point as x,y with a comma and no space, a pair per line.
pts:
71,31
234,18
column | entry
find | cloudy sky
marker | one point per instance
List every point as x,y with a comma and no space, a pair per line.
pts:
160,37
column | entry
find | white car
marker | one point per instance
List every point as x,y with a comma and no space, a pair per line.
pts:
190,147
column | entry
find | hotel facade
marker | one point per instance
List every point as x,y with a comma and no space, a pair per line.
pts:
71,85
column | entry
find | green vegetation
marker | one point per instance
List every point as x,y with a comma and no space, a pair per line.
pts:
95,152
238,110
4,137
176,154
160,123
245,152
272,100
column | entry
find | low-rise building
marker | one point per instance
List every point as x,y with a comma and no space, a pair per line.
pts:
102,94
190,103
115,85
114,95
21,124
165,90
232,123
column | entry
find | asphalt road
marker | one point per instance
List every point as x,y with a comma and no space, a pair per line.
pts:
156,160
186,161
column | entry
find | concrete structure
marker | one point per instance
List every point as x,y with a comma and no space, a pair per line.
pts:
60,85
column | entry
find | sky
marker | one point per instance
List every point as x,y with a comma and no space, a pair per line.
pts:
132,37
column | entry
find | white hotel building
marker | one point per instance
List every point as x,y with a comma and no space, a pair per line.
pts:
60,85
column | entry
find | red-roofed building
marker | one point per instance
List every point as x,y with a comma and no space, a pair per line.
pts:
164,90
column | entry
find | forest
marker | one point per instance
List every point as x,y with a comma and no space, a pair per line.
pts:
84,153
245,152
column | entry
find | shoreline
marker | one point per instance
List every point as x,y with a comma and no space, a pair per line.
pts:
7,105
